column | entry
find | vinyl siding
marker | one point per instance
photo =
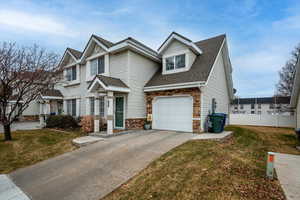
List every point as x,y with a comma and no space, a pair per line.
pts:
141,69
33,109
216,88
298,113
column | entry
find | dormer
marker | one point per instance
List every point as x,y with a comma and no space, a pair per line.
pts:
70,65
96,57
178,54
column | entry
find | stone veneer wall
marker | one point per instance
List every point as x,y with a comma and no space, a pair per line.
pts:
194,92
135,123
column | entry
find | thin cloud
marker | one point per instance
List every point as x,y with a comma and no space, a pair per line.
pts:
36,23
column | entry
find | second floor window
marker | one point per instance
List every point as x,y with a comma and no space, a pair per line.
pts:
97,66
259,106
71,73
252,106
175,62
242,106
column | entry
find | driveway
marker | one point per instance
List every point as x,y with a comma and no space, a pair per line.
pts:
92,172
22,126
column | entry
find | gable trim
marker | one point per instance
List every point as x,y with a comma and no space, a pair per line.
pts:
64,56
174,86
181,39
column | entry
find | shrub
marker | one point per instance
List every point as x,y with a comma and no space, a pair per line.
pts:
61,121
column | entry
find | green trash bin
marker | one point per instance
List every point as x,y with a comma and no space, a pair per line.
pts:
217,123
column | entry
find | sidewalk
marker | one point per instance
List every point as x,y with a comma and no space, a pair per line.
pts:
288,171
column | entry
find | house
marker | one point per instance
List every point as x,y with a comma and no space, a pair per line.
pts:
126,82
295,100
262,105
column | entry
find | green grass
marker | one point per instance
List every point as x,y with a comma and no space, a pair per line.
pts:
30,147
234,169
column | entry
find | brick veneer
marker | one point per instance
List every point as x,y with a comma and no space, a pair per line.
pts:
135,123
194,92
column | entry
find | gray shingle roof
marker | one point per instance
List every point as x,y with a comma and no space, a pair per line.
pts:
75,53
110,81
200,69
105,42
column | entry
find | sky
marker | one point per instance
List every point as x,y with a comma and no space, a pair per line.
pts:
260,33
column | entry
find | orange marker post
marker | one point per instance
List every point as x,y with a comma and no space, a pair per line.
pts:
270,165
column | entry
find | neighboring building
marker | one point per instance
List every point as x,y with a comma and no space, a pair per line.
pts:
262,105
126,82
295,100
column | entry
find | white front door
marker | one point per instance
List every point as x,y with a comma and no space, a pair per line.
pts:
173,113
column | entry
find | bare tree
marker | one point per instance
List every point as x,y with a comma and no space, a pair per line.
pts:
24,73
287,73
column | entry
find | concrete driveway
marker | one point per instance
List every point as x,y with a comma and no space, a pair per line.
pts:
92,172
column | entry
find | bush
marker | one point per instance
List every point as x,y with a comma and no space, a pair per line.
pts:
61,121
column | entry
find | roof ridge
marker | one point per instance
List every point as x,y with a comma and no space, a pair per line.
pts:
103,40
212,38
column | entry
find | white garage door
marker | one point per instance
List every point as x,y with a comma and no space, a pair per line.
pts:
173,113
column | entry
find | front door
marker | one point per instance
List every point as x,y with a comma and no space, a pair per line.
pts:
119,112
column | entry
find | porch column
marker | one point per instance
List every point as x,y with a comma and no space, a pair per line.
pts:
41,115
97,114
110,112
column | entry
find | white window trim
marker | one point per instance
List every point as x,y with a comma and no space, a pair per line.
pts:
88,66
187,61
73,82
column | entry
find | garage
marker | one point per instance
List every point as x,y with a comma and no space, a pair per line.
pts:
173,113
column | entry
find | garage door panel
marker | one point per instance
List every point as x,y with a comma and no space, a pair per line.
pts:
173,113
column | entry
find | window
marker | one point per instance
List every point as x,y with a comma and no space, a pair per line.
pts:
101,105
252,106
259,106
175,62
242,106
92,105
71,73
170,63
252,112
235,107
271,106
71,107
97,66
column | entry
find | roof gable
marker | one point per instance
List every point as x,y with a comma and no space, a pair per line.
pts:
175,36
95,41
199,70
70,56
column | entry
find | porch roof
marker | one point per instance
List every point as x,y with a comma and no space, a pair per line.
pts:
108,83
51,94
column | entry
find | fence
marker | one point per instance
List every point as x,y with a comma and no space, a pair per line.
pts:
262,120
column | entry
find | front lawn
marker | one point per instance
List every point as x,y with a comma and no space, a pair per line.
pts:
30,147
234,169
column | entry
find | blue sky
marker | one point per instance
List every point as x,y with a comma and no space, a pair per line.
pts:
261,33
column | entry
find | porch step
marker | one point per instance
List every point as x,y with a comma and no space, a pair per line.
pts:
103,134
86,140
